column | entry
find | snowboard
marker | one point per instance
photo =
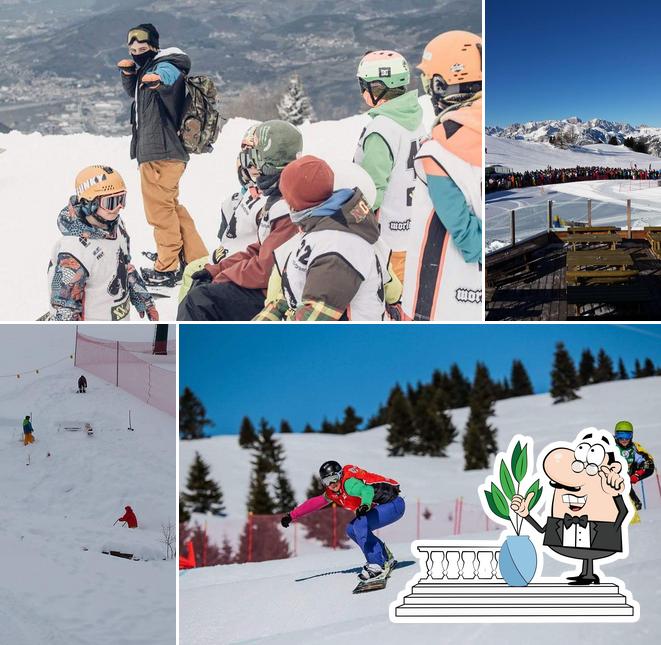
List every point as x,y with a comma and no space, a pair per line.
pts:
375,584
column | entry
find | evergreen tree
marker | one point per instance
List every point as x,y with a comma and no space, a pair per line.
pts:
308,429
351,421
192,416
262,540
268,453
315,488
327,427
433,426
401,429
247,434
586,368
285,428
204,494
460,388
207,554
184,514
295,106
648,368
260,501
480,437
564,380
604,370
637,370
613,141
379,419
284,494
226,554
622,371
520,381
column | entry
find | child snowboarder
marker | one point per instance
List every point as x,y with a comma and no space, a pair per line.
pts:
129,517
641,463
445,281
375,500
82,384
388,145
28,431
90,275
337,269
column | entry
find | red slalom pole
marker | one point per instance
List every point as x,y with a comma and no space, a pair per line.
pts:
658,482
417,532
250,536
461,512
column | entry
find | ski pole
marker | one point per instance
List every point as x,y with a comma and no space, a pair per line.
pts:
642,490
115,522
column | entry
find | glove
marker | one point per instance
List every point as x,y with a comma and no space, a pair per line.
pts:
202,276
362,510
126,66
219,254
634,479
285,520
151,81
152,313
395,312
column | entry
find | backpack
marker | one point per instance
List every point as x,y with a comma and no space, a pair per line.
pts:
201,122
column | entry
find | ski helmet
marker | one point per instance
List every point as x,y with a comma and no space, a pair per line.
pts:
244,160
381,71
451,68
330,472
100,186
623,430
276,143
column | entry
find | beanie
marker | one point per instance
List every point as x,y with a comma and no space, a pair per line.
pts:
306,182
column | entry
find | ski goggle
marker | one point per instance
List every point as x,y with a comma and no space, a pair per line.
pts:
246,158
623,434
112,202
331,479
436,86
140,35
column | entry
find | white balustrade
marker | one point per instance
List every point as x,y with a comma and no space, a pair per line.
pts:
452,563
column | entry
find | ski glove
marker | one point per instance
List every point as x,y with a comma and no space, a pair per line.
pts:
126,66
362,510
151,81
286,520
202,276
152,313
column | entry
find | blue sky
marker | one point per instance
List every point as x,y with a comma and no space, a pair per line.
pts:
587,59
305,372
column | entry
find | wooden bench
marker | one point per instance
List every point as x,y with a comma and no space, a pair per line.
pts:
592,229
511,263
653,236
590,239
599,266
613,276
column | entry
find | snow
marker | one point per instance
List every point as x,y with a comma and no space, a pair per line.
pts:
52,590
36,179
308,598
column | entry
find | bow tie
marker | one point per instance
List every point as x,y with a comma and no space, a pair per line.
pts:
568,520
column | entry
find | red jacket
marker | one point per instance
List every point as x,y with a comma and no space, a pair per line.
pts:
129,517
351,503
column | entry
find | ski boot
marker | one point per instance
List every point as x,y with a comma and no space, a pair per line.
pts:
371,571
154,278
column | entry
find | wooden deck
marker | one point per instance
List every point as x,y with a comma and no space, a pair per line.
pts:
541,293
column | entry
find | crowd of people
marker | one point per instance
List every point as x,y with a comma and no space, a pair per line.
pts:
565,175
397,234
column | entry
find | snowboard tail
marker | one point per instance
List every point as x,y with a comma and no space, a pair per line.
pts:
375,584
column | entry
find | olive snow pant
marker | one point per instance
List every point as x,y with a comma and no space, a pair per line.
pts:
27,438
174,228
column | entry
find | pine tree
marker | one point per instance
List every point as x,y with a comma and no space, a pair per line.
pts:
295,106
480,437
262,540
379,419
351,421
315,488
285,428
604,370
267,450
226,554
433,426
327,427
284,494
184,514
622,370
308,429
260,501
586,368
564,381
648,368
637,370
460,388
192,416
204,494
207,554
247,434
520,381
401,429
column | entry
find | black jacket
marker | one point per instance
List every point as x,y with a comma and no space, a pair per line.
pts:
156,114
82,382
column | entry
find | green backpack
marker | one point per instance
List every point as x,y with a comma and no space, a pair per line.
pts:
201,122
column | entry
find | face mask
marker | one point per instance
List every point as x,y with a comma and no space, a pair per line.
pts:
142,59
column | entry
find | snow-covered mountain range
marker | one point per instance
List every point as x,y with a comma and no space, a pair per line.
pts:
586,132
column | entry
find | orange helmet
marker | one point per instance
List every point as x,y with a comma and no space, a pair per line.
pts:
451,68
98,181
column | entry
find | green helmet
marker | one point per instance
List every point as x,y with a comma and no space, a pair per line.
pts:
276,143
624,426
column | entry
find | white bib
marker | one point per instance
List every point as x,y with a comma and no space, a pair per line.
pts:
368,260
238,225
106,261
440,284
395,214
276,211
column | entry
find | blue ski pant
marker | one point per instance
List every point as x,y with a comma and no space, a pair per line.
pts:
360,529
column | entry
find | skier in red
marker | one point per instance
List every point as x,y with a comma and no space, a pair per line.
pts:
129,517
375,500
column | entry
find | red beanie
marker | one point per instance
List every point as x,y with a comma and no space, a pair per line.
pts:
306,182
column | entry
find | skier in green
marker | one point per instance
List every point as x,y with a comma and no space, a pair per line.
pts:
641,463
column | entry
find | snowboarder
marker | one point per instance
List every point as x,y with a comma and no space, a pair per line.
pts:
28,431
376,501
388,145
239,215
641,463
445,280
155,79
129,517
89,429
90,275
82,384
336,269
235,288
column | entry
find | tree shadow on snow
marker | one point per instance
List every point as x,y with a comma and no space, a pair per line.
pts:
354,570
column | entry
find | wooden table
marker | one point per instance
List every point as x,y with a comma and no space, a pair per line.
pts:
599,266
593,238
592,229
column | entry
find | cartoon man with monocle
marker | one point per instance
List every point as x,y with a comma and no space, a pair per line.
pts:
588,509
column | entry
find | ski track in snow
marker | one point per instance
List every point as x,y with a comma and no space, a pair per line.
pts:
263,602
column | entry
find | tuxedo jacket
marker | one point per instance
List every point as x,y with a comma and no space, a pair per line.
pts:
604,536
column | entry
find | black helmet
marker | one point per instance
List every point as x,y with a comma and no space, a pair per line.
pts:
330,472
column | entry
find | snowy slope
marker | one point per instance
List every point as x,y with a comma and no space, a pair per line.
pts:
66,500
268,602
37,175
